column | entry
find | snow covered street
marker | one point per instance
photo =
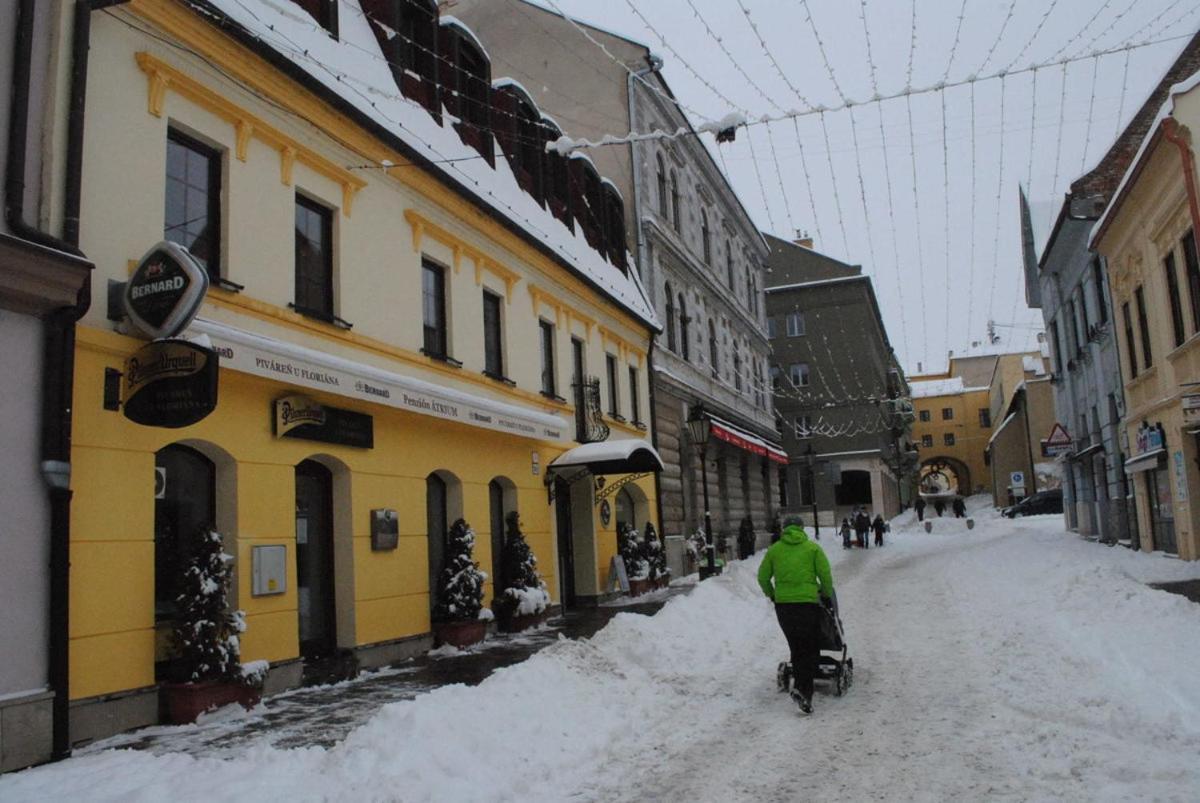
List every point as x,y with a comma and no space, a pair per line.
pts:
1012,661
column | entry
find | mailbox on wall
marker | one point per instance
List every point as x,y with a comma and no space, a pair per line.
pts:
385,529
268,569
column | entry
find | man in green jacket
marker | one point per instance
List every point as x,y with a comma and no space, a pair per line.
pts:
801,577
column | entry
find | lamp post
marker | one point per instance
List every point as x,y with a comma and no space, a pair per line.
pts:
810,458
699,428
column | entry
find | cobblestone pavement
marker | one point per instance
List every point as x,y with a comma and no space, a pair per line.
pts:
322,715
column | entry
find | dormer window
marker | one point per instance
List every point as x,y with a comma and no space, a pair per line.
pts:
517,127
555,176
325,12
614,215
407,34
587,201
467,84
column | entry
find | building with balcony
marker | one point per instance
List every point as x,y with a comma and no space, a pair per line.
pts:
391,250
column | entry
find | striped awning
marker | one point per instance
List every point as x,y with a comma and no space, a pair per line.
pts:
736,436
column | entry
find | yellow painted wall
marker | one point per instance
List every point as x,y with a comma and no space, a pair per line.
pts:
970,438
396,219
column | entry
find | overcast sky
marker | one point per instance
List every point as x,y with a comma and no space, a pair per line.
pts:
942,274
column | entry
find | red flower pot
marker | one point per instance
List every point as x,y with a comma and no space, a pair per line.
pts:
513,623
639,587
187,701
459,634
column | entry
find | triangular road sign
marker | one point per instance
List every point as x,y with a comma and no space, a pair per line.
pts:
1058,437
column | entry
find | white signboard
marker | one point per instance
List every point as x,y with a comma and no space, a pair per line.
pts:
272,359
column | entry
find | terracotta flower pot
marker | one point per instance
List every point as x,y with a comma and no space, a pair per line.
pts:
459,634
639,587
513,623
187,701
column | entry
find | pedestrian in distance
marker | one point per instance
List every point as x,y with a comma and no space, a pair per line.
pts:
845,533
862,526
920,506
878,526
960,507
940,507
795,576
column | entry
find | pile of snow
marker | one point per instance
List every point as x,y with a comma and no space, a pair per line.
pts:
1013,660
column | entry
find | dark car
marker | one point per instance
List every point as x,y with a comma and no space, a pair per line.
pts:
1040,503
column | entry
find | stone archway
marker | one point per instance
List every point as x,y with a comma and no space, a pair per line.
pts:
945,476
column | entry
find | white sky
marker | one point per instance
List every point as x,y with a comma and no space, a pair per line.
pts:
939,279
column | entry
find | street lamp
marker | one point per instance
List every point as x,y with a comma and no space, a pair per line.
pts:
699,428
810,458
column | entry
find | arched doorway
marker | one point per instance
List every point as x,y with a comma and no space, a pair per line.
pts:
633,508
443,505
184,506
315,588
502,499
945,476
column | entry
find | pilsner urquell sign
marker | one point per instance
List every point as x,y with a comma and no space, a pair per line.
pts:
170,383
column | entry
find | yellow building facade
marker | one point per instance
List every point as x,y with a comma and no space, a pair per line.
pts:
1148,237
524,315
950,432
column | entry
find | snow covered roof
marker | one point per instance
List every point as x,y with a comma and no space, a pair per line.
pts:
940,387
817,283
1031,363
353,68
1135,165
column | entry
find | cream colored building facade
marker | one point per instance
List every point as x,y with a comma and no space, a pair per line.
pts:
1148,237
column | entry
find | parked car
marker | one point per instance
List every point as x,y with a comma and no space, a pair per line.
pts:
1040,503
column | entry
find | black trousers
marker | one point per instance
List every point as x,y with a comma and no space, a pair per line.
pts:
801,625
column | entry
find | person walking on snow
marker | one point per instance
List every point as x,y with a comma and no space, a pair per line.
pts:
862,525
920,506
795,575
960,507
878,526
940,507
845,533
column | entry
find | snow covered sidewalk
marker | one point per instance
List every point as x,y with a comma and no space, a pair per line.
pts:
1012,661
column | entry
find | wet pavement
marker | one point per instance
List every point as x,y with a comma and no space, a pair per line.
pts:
1185,588
322,715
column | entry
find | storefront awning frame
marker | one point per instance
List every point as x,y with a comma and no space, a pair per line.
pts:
732,434
1145,462
621,456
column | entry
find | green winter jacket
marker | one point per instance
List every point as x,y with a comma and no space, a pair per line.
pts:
799,567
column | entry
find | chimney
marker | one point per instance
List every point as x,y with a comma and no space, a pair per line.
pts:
803,239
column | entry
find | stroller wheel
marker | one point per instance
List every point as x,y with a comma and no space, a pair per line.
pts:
839,684
849,673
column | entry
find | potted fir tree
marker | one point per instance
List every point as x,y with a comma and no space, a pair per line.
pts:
636,567
655,557
459,617
206,634
523,601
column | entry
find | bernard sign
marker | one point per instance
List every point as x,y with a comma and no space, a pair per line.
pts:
165,292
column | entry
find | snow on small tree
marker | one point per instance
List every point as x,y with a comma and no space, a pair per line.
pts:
631,552
524,591
206,631
460,586
653,553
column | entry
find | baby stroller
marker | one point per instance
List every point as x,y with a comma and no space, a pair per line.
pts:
833,661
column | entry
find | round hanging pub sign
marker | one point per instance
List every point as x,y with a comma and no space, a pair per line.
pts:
165,291
170,383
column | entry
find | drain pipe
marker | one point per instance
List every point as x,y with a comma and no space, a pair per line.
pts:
653,64
1180,139
58,347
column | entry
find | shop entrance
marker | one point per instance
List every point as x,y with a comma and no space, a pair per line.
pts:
314,559
566,554
1162,511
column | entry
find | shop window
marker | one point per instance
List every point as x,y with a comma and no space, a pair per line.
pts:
795,324
467,88
184,508
1174,297
1191,264
325,12
948,439
947,413
625,509
1139,296
193,199
547,343
493,336
314,259
433,310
